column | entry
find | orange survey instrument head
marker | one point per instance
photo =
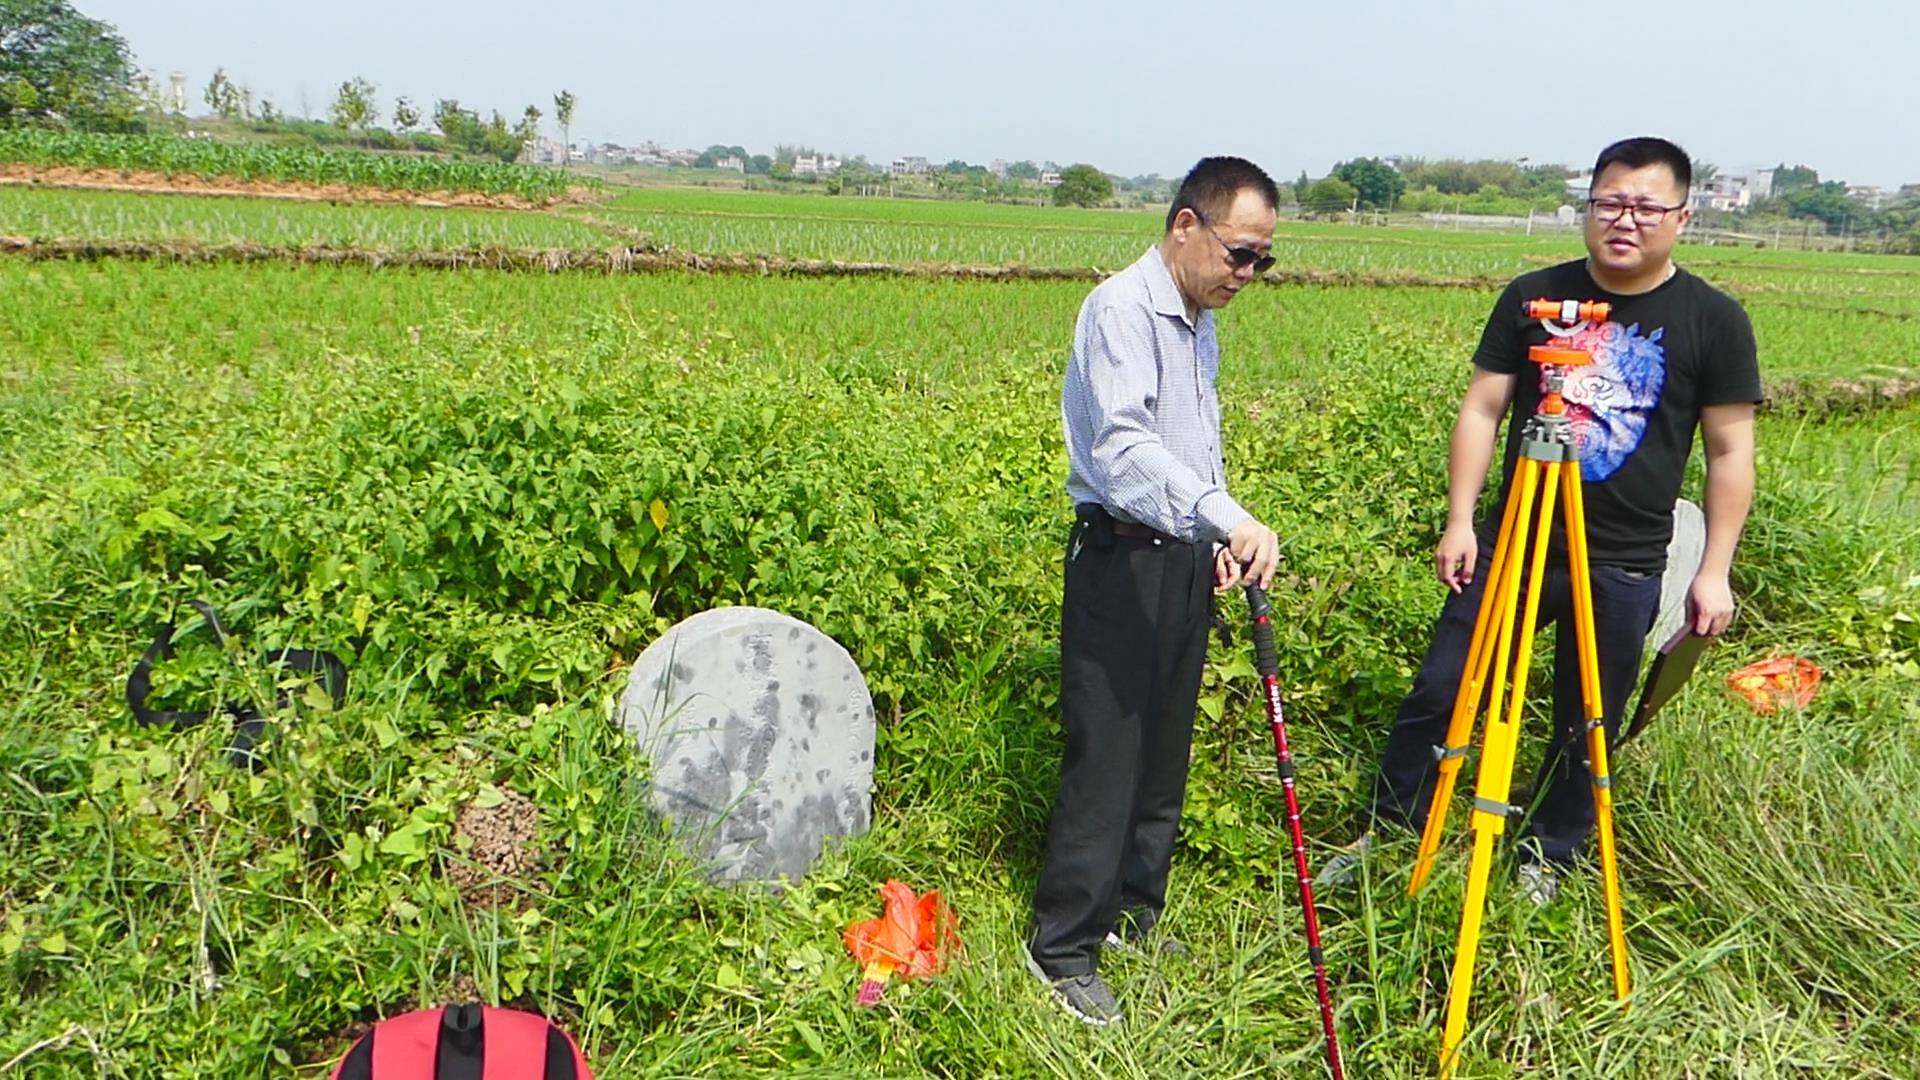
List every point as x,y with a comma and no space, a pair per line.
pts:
1564,318
1569,311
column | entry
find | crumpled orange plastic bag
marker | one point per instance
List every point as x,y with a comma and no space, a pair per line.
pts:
911,939
1774,681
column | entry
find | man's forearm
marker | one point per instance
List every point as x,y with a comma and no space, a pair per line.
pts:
1467,460
1729,497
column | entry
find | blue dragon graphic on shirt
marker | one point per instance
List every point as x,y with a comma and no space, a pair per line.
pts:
1611,399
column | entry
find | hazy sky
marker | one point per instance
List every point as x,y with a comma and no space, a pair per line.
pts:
1126,85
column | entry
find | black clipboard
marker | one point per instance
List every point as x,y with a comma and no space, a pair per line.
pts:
1672,666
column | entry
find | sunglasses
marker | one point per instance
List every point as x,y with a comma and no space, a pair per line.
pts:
1240,257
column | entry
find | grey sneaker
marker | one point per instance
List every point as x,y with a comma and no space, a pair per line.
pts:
1345,866
1539,882
1087,996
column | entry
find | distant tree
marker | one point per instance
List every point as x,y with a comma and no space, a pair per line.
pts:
452,120
270,114
563,103
528,129
1023,170
1826,203
1082,185
1329,196
955,167
59,67
781,170
1704,172
406,116
788,152
760,165
464,130
222,96
353,105
1800,176
499,140
1377,183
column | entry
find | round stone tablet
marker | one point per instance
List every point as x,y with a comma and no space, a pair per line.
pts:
1684,552
760,733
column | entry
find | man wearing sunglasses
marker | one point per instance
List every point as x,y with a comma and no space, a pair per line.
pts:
1155,535
1675,355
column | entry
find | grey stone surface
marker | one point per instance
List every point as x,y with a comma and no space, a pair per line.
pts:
1684,552
760,733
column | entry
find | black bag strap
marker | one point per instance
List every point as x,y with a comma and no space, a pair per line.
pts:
140,683
248,724
332,673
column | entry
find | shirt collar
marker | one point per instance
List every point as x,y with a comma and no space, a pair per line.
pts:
1160,287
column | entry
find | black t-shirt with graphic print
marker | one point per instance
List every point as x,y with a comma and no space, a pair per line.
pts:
1660,358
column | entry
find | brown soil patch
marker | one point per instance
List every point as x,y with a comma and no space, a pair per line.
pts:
184,184
501,848
1842,395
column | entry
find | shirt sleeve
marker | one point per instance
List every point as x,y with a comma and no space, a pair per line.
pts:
1731,374
1132,469
1501,349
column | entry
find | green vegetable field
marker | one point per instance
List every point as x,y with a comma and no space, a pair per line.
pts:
487,490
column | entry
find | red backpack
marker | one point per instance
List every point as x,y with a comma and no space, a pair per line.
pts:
464,1042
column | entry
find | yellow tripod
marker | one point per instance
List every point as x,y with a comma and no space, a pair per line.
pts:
1549,467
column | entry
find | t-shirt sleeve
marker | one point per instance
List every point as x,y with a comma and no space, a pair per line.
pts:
1731,374
1501,349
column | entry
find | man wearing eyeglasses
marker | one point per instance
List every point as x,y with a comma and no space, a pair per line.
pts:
1675,354
1155,534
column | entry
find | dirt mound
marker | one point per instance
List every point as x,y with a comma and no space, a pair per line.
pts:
499,842
299,191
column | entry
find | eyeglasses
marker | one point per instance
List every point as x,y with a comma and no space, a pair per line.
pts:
1240,257
1645,215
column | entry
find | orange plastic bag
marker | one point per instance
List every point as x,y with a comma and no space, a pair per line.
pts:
911,939
1775,681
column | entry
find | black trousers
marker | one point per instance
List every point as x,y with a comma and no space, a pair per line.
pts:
1624,606
1133,639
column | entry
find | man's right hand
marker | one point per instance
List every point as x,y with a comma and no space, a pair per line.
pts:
1256,549
1454,559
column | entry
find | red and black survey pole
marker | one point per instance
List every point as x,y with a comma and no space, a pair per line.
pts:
1268,666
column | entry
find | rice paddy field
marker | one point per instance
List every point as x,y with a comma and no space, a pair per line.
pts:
488,489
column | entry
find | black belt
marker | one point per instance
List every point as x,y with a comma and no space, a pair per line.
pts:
1094,512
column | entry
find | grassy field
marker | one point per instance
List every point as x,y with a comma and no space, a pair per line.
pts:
51,214
448,479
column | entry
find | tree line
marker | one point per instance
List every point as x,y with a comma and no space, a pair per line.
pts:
60,68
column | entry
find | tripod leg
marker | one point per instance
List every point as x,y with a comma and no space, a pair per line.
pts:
1466,703
1597,765
1495,777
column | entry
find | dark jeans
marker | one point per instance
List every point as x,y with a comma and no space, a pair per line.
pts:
1133,637
1624,606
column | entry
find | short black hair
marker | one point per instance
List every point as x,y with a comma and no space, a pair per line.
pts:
1212,184
1638,153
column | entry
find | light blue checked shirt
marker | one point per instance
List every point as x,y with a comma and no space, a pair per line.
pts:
1141,413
